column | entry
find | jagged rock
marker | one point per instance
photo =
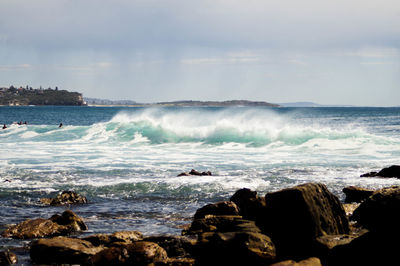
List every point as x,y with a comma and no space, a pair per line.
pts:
356,194
221,223
234,248
250,205
197,173
177,262
380,212
392,171
175,246
62,250
137,253
63,224
65,198
298,215
313,261
220,208
8,258
115,239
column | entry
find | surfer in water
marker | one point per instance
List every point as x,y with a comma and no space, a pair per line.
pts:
5,126
60,125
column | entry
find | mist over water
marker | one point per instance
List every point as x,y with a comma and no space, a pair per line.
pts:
126,160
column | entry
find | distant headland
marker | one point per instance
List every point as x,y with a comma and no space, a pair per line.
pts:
14,96
188,103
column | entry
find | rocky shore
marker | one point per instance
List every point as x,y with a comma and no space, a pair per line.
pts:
300,225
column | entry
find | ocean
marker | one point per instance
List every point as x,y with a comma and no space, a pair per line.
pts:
125,160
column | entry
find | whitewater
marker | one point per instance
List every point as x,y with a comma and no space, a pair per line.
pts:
126,160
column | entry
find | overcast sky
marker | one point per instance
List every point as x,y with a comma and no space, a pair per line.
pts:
329,52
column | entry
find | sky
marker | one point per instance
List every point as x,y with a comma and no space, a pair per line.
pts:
328,52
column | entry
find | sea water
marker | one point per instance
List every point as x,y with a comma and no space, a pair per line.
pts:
126,160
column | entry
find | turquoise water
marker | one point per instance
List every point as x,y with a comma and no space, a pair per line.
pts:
126,160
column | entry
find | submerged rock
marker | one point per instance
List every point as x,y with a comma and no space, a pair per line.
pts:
65,198
63,224
392,171
356,194
194,172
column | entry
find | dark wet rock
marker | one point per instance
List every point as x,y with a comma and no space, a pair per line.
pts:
62,250
392,171
175,246
313,261
251,206
234,248
219,208
380,212
356,194
298,215
8,258
63,224
65,198
370,248
176,262
137,253
221,223
115,239
196,173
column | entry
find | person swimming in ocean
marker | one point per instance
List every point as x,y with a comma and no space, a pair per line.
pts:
5,126
60,125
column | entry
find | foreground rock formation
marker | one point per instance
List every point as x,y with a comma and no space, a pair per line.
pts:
301,225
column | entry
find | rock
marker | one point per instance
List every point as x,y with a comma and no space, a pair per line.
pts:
8,258
175,246
234,248
177,262
313,261
220,208
65,198
380,212
62,250
298,215
194,172
371,248
221,223
356,194
115,239
392,171
251,206
137,253
63,224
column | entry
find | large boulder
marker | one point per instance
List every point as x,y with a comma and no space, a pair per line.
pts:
391,171
8,258
62,250
234,248
356,194
63,224
298,215
380,212
219,208
137,253
65,198
251,206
